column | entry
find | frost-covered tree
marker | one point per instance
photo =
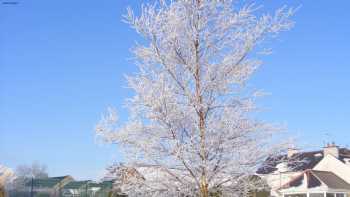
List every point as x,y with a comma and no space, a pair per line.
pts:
192,130
6,177
24,173
35,170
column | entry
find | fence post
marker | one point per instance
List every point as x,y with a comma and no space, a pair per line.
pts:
31,187
60,189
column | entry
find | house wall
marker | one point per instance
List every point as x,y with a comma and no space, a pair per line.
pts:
330,163
277,179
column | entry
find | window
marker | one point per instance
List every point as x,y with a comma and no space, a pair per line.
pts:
319,195
330,195
340,195
296,195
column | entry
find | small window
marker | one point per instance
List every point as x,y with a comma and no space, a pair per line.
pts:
296,195
318,195
330,195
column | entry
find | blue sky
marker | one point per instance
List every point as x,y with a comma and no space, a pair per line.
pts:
62,63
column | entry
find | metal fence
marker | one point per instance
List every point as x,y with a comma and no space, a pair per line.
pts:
52,187
78,193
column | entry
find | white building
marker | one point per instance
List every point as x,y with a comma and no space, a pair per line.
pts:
324,173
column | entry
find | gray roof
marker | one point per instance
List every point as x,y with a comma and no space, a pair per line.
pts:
331,180
314,179
299,161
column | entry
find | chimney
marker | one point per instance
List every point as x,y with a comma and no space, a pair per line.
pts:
331,149
291,152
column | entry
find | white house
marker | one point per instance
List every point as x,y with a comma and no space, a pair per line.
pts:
313,183
323,173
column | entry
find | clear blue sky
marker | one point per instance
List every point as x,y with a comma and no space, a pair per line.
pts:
62,63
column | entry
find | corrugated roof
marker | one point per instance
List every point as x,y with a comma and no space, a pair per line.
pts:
76,184
103,185
46,182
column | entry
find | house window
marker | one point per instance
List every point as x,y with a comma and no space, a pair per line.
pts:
330,195
319,195
296,195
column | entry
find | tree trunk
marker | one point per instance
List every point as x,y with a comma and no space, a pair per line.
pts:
204,189
2,191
